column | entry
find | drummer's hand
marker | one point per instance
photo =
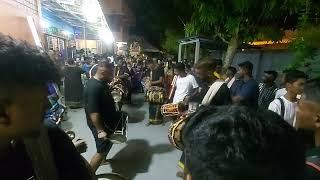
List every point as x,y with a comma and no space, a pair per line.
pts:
80,145
102,135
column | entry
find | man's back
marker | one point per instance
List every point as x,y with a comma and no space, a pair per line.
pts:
98,99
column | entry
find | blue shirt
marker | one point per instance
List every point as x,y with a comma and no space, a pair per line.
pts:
249,90
86,68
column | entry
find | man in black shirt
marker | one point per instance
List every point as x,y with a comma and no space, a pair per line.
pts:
100,111
267,89
204,71
156,75
27,149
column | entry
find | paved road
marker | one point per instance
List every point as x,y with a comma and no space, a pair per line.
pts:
147,155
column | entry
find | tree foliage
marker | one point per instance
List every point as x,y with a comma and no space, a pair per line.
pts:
307,42
237,21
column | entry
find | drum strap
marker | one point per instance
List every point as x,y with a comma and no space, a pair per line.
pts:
214,88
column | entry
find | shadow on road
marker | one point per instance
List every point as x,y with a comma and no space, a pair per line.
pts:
136,157
136,116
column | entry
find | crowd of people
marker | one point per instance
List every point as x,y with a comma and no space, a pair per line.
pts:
241,129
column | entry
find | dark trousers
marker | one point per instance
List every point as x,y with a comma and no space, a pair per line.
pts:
154,113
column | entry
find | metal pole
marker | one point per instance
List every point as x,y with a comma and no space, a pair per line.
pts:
179,54
197,52
85,37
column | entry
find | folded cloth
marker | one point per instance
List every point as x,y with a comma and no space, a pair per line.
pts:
214,88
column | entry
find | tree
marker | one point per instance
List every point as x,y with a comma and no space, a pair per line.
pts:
307,42
170,42
238,21
161,22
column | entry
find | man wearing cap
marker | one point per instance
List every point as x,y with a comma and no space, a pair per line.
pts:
267,89
245,90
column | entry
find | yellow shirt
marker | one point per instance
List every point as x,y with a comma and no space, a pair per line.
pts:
217,75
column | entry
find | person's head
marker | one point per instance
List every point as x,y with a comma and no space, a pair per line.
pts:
204,69
24,74
231,71
218,65
180,69
295,81
245,69
269,76
308,111
71,62
283,77
104,71
233,142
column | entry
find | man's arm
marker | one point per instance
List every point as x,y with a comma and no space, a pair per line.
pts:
159,82
70,164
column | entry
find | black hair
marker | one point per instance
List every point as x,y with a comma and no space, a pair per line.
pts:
22,65
233,142
206,64
105,64
312,90
274,74
180,66
232,69
246,65
293,75
218,62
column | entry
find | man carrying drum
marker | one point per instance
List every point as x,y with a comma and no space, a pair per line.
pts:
184,85
156,76
100,111
212,91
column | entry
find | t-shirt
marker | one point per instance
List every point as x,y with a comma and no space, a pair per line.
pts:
289,109
156,74
249,90
184,86
98,99
266,95
281,92
17,165
221,98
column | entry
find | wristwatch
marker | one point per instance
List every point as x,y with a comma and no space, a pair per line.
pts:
102,134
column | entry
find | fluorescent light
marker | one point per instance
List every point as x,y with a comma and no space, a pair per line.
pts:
34,31
106,36
66,33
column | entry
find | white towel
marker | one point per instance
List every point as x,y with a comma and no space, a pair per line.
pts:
214,88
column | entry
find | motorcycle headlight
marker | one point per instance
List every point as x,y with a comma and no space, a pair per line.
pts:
117,96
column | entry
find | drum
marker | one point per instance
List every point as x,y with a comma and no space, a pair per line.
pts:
120,132
118,90
110,176
171,110
175,132
146,82
156,94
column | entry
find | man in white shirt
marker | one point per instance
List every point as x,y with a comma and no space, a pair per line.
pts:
286,105
185,84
